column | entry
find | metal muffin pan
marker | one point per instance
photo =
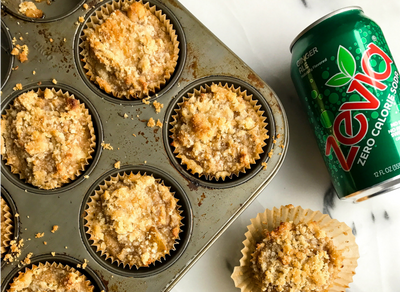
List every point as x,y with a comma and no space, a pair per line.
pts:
210,208
7,60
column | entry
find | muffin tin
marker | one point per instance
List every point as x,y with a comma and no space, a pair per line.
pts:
209,207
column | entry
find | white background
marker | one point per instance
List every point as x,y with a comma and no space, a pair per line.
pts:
260,33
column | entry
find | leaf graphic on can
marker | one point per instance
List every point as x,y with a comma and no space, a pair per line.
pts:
347,67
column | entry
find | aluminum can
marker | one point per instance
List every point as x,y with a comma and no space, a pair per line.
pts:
345,76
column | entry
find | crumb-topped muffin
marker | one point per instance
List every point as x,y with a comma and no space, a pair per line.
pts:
291,249
218,131
134,220
296,257
130,49
47,138
6,226
50,277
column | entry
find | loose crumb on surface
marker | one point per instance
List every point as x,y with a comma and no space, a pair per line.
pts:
54,229
81,19
117,165
15,250
53,253
86,176
18,86
151,123
134,135
158,106
34,72
39,235
27,259
45,242
106,146
159,123
264,164
85,262
66,247
51,40
65,39
146,100
54,81
126,116
85,6
270,154
16,215
79,266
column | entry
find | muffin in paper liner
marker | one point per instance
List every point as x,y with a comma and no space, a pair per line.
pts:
53,276
133,220
340,234
7,226
218,131
46,124
126,63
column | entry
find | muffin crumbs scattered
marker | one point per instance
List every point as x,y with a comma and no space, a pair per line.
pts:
45,242
106,146
159,124
81,19
39,235
117,165
54,81
51,40
125,116
158,106
29,9
53,253
15,250
151,123
85,262
54,229
86,176
27,259
264,164
18,86
134,135
85,6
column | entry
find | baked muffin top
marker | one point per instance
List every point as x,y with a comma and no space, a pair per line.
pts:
47,138
296,258
50,278
130,53
218,133
135,220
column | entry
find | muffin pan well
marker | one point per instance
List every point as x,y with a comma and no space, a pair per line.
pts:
58,258
7,59
184,236
209,206
98,129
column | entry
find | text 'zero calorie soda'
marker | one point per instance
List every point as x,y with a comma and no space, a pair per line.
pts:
346,77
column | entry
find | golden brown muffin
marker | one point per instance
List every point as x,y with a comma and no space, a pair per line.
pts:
134,220
132,52
218,132
47,138
51,277
296,257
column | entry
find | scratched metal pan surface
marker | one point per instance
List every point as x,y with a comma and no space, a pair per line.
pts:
209,207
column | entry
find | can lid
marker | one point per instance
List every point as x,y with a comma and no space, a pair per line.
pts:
321,20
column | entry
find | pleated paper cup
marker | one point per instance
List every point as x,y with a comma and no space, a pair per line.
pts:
68,275
341,235
95,207
197,166
8,119
104,72
7,227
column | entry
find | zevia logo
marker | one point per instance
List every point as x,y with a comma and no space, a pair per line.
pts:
357,83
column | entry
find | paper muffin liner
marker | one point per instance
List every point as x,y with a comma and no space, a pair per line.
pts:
15,286
225,174
99,17
341,235
84,164
91,212
6,219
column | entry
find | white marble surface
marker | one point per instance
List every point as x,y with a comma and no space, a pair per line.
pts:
260,32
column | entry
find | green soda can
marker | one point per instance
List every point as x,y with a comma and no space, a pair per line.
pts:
345,76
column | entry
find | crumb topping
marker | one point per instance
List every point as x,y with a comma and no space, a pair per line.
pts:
136,220
296,258
46,138
50,278
30,10
218,133
131,52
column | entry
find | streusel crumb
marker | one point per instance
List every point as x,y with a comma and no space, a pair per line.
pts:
296,258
